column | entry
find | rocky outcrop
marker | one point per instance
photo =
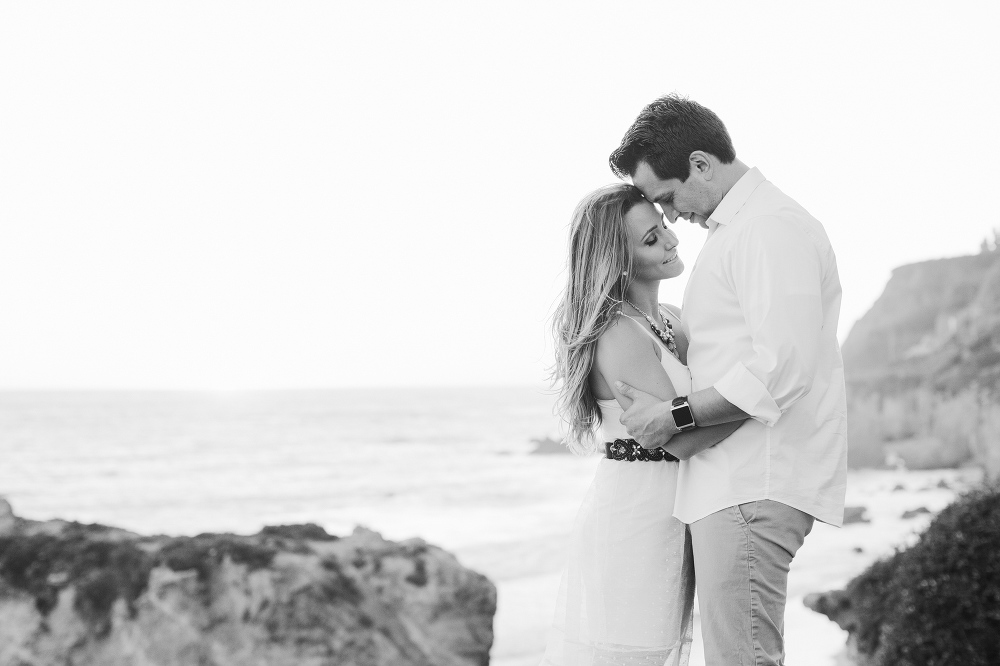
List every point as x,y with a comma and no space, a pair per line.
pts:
937,602
923,367
549,446
92,595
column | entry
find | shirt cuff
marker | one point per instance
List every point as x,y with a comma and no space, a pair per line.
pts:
742,388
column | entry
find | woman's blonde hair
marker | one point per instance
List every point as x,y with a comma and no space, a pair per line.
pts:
600,259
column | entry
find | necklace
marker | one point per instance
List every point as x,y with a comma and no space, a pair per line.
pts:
667,336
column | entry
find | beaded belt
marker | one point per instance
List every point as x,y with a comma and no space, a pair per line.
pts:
631,451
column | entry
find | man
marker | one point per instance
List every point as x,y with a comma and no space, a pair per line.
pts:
760,313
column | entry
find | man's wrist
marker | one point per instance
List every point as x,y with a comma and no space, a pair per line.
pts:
669,427
681,414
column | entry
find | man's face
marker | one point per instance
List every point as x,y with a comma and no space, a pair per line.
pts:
691,200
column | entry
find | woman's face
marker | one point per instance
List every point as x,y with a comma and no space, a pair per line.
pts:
654,247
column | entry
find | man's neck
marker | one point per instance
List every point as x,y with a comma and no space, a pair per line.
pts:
726,176
729,175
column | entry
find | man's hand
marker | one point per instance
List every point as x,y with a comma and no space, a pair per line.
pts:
647,419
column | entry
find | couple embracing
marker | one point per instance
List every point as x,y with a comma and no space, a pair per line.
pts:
722,426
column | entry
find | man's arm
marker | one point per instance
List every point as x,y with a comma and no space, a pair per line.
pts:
692,442
649,421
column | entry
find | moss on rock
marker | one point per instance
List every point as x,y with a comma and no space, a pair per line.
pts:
205,552
304,532
102,571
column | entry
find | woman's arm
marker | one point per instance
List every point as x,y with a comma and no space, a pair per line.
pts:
625,353
686,444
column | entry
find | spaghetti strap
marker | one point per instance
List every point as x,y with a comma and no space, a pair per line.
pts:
656,339
670,309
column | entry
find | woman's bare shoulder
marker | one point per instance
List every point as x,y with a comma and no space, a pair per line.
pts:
624,338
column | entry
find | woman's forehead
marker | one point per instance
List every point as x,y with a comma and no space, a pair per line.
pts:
641,218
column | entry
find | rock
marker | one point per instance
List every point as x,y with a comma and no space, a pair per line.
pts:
91,595
858,549
899,488
547,446
913,513
937,602
855,514
923,368
926,453
7,519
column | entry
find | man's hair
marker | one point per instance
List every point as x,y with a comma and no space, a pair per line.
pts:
665,134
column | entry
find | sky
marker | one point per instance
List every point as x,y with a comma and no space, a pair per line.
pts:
272,195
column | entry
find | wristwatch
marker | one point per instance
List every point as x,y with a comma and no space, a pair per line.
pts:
683,416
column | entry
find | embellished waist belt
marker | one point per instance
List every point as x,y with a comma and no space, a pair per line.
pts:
631,451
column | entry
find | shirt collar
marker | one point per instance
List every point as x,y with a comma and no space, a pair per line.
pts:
736,198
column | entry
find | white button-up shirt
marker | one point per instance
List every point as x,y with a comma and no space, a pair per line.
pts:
760,312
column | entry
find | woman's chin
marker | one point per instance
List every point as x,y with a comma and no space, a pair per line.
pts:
673,269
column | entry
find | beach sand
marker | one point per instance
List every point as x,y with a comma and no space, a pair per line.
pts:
829,559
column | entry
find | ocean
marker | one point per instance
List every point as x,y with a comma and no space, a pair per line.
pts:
450,465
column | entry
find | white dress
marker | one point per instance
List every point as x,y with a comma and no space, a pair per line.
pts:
627,595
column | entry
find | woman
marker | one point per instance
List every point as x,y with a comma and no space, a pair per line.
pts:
628,592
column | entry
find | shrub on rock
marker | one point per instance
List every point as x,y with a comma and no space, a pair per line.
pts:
935,603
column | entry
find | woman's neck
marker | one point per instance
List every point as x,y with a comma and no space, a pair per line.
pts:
645,296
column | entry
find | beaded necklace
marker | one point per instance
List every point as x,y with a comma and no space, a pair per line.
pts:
667,336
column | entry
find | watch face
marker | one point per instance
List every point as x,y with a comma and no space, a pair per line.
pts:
683,418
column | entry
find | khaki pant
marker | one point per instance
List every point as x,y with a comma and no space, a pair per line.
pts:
741,560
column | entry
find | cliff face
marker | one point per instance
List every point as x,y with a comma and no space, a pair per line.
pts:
92,595
923,367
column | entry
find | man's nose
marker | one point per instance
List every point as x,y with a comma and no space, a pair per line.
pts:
669,214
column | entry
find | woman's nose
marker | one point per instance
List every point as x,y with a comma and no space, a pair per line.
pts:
672,240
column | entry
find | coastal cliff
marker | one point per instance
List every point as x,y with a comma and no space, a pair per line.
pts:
94,595
923,367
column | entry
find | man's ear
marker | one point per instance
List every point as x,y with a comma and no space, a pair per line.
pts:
701,164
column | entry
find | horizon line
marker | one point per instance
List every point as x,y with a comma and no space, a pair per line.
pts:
272,389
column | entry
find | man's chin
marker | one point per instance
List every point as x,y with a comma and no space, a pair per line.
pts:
699,220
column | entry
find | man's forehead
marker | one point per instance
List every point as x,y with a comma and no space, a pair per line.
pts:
652,187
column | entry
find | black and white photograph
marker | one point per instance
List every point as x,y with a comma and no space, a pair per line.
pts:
641,333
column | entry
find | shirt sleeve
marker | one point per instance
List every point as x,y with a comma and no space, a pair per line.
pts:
776,273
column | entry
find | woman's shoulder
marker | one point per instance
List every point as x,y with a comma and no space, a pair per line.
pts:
623,335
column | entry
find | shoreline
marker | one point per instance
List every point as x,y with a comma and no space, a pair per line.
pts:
828,559
527,571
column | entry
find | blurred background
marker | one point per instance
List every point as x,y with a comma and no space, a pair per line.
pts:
265,263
